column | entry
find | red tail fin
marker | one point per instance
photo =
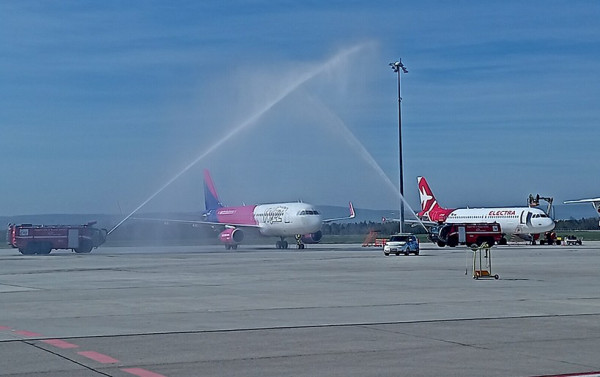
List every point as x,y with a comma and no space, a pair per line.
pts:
430,209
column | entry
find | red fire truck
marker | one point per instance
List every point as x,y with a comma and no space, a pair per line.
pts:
449,234
42,239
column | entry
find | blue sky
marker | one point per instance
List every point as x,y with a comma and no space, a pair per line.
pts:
101,103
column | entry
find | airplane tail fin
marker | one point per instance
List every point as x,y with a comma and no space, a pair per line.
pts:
211,198
428,201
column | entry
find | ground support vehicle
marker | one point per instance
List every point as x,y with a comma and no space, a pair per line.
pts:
571,240
42,239
550,238
467,234
404,243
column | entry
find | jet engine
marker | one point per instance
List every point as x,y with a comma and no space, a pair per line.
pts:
231,236
312,237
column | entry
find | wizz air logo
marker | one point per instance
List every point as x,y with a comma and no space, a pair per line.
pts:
272,215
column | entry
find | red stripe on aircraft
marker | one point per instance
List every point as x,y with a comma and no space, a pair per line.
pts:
96,356
141,372
4,328
60,343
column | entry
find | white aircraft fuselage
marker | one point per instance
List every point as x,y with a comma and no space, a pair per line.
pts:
277,219
512,220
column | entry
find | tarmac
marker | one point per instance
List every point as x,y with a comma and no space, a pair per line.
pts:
328,310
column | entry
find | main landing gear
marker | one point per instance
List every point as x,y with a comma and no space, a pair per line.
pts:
283,244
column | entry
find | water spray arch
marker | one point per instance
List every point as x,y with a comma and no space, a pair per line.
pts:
300,80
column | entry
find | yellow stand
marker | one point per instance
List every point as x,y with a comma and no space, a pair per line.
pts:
482,264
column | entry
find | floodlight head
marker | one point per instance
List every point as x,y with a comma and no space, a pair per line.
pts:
402,66
396,66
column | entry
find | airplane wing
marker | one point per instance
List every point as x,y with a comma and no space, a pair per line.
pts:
421,222
425,223
197,222
595,202
352,215
582,201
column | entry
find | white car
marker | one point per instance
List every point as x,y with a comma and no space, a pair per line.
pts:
402,243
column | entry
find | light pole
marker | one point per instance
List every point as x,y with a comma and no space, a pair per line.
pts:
399,68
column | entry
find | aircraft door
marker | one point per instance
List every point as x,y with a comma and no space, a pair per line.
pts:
523,217
529,215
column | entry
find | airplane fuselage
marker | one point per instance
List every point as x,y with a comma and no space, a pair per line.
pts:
277,219
512,220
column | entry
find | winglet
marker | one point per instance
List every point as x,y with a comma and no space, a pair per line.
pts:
352,215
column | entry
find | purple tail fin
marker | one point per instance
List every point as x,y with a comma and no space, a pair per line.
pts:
211,198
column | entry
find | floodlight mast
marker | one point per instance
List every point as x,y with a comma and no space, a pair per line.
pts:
399,68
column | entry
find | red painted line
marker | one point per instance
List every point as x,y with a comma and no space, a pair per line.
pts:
98,357
4,328
588,374
60,343
141,372
27,333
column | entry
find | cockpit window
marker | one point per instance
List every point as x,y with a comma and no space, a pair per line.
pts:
308,212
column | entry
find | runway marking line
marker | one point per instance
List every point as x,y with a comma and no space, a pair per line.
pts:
99,357
93,355
60,343
141,372
28,334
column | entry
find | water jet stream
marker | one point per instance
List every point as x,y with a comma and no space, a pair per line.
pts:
300,80
341,126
